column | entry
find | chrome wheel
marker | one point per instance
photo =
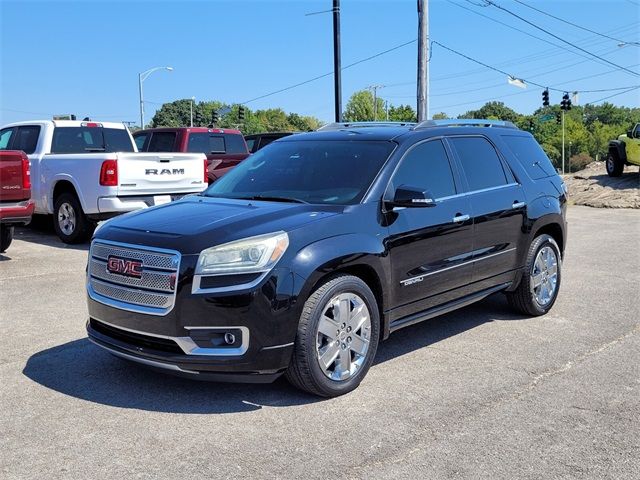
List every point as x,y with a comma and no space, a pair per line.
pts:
610,165
66,218
343,336
544,276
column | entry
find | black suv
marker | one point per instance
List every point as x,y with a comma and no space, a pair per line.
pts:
302,258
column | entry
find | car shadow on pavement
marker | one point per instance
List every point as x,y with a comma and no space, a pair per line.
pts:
44,235
83,370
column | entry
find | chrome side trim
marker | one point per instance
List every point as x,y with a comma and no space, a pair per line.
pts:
189,347
195,288
143,361
273,347
419,278
473,192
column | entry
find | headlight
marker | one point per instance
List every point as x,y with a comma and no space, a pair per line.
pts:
249,255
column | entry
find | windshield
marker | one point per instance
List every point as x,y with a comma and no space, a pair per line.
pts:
329,172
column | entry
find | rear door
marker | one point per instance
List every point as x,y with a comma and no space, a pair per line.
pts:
498,207
430,248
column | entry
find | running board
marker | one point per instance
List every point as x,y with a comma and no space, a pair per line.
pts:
442,309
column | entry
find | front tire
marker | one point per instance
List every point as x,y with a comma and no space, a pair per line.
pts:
6,237
337,338
540,283
69,221
615,166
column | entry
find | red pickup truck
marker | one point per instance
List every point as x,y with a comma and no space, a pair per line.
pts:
224,147
16,206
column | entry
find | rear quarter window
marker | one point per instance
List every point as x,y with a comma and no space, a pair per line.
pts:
530,155
235,143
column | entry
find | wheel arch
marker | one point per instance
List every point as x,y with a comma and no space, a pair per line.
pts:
64,185
617,147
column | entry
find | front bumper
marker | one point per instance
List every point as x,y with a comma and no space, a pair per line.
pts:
186,341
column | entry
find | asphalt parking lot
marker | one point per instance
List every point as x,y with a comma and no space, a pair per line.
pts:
478,393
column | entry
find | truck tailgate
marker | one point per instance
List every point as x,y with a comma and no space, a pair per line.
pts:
11,177
160,173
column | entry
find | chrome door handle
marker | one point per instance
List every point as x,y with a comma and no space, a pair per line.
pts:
517,204
460,218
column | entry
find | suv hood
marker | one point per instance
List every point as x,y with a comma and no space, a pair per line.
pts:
194,223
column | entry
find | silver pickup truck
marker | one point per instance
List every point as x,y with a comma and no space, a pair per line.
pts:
85,171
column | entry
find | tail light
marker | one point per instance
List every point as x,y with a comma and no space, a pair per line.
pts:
109,173
26,173
206,171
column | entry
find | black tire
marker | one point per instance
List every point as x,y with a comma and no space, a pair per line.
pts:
615,166
80,229
304,371
6,237
523,298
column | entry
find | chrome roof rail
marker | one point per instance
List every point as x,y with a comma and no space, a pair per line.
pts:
348,125
465,122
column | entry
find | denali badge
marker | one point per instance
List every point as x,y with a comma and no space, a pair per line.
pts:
124,266
164,171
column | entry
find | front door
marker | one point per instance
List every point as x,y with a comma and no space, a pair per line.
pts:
430,248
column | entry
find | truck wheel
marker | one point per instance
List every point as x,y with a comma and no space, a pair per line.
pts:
615,166
69,221
6,237
540,282
337,338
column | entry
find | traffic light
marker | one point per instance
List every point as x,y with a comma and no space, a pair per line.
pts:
214,117
565,104
545,98
241,113
558,118
197,118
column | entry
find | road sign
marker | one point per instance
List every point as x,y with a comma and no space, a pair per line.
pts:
547,117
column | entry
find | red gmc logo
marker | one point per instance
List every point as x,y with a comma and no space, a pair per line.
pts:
123,266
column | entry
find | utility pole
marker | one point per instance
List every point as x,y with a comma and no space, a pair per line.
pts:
191,109
386,109
423,60
374,89
563,142
337,66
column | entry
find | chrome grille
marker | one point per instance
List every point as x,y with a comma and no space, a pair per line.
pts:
152,293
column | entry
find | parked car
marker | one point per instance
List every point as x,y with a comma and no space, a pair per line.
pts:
224,147
312,250
16,206
88,171
257,141
625,150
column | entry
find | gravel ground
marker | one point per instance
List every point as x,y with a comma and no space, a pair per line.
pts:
478,393
592,187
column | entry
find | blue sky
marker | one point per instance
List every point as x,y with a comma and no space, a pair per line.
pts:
84,57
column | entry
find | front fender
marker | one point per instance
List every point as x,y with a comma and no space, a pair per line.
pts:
351,252
618,147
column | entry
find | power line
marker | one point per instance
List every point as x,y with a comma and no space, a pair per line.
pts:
615,95
331,73
575,25
490,2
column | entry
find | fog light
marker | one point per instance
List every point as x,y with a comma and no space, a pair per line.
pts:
229,338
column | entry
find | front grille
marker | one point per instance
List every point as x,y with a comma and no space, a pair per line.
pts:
153,293
136,339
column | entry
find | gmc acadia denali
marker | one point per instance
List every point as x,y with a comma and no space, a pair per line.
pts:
307,254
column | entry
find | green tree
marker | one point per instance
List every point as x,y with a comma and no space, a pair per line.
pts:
440,116
402,113
493,111
360,107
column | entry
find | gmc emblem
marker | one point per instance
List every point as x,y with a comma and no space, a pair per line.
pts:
124,266
164,171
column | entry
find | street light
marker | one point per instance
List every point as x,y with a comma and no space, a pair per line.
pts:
141,78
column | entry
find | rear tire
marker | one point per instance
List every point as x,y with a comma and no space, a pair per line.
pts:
337,338
6,237
615,166
69,221
540,283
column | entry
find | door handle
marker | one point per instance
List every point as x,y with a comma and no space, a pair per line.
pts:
518,204
460,218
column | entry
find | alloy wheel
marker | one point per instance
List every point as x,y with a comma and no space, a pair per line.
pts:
66,218
544,276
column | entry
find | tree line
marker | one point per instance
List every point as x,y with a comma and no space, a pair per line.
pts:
588,128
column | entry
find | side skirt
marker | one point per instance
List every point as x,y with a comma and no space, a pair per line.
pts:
445,308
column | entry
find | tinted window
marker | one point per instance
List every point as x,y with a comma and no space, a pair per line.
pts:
140,139
5,138
162,142
480,162
426,166
250,143
27,139
90,139
235,143
331,172
530,155
206,143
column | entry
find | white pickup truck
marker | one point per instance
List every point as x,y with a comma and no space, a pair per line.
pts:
85,171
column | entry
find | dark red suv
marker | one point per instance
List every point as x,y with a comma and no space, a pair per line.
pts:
224,147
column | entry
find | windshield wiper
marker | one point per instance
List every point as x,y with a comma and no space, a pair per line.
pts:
268,198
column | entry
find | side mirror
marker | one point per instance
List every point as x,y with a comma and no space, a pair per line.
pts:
412,197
